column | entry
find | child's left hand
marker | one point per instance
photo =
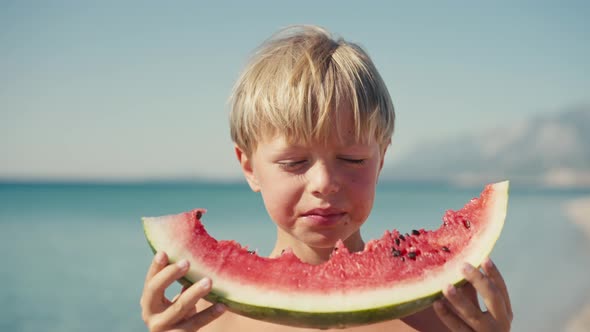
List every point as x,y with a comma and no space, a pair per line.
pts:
460,310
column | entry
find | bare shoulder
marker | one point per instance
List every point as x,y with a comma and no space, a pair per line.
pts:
425,320
218,324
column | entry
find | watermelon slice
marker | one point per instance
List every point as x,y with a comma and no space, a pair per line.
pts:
394,276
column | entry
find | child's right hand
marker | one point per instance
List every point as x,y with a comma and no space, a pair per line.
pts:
180,314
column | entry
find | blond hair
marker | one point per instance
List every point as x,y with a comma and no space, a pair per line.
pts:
300,82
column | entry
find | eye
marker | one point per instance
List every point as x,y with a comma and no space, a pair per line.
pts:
291,165
354,161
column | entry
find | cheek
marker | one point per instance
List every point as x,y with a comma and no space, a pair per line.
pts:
362,194
363,203
280,200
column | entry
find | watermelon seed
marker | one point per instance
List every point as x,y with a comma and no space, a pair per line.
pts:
445,249
397,241
415,232
412,255
199,215
396,253
402,237
403,259
252,252
467,223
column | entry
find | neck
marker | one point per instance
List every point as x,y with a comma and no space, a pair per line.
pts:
315,255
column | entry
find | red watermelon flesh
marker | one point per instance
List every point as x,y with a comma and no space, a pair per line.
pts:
392,277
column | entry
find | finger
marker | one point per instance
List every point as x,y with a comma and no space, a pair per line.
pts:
158,263
464,308
493,273
156,287
471,293
204,317
449,318
491,295
184,288
186,302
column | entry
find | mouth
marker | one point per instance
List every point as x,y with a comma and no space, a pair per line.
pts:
323,217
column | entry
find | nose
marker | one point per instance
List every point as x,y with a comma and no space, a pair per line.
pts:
323,179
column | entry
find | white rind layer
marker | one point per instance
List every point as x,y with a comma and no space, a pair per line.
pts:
348,299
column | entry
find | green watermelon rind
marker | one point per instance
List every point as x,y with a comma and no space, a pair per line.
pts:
321,320
325,320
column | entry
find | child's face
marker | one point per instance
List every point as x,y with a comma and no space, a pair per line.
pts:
315,193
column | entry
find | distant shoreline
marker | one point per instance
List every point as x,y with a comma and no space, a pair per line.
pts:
578,211
408,184
120,182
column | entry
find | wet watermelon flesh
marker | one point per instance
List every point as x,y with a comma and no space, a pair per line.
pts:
390,270
377,265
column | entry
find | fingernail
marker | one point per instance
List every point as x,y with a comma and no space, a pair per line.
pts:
159,258
183,264
488,263
451,290
439,304
204,283
219,308
468,268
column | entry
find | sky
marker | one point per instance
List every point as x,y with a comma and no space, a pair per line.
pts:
138,90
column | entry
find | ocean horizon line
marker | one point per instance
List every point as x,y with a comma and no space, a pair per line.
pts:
232,182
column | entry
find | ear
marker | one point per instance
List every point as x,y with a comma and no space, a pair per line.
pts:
246,164
383,157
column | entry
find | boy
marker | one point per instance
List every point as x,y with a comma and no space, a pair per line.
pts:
311,120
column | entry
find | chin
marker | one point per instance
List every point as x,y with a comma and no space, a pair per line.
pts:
322,241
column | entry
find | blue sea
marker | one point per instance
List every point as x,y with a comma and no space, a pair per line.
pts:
75,255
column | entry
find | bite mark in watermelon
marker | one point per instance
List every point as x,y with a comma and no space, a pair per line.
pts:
392,277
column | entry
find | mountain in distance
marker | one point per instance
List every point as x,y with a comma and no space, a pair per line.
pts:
551,150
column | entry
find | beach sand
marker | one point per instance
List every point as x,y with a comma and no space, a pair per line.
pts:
579,213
